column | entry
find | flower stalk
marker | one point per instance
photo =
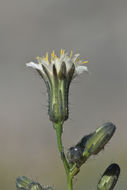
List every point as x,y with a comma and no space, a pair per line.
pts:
58,128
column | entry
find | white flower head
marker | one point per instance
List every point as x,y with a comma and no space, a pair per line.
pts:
70,61
58,73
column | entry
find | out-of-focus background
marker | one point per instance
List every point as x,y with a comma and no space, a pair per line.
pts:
98,31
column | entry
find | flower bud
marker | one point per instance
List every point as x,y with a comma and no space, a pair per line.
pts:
99,139
24,183
90,144
109,178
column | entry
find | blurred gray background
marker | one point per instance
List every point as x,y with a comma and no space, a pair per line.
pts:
96,29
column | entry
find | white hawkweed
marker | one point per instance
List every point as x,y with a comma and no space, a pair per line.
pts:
58,74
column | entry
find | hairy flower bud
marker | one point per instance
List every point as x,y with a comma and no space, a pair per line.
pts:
90,144
24,183
109,178
99,139
58,74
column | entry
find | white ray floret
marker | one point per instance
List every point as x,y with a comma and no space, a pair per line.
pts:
57,61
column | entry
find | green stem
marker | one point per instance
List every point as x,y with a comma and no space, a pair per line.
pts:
69,182
58,128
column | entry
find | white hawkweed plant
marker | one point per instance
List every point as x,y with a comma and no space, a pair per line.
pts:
57,73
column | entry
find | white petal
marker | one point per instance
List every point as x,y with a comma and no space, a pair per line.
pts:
79,63
57,64
61,58
44,62
68,65
35,66
75,57
80,69
68,62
